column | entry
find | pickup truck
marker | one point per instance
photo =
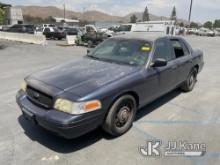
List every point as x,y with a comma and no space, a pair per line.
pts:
107,86
91,36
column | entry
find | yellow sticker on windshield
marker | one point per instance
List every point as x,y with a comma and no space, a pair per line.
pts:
145,49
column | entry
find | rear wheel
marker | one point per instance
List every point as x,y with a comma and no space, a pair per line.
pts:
189,84
90,44
121,115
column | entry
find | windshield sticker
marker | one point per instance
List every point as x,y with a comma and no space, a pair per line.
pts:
145,48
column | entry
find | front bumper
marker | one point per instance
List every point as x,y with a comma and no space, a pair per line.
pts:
62,124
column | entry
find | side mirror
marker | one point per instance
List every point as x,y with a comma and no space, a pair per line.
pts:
159,62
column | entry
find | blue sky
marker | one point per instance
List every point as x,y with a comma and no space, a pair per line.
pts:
203,10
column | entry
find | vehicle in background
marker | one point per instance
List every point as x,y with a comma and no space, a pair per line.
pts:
91,36
205,32
191,31
124,28
69,30
49,25
107,31
30,29
163,27
51,33
217,32
113,28
89,28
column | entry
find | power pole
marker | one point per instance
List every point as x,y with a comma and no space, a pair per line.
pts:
64,11
190,11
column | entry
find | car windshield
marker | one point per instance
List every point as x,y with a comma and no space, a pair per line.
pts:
125,51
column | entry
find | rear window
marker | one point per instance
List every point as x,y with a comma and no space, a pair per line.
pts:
179,48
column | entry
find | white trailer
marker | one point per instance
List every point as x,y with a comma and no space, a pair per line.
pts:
164,27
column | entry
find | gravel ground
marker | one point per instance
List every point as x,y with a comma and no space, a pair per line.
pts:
193,117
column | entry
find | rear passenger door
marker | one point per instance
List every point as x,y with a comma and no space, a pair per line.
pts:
182,59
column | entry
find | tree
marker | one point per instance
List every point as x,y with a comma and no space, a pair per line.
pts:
208,25
181,24
194,25
133,19
173,14
2,16
146,15
216,23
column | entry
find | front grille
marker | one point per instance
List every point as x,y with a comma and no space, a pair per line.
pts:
39,98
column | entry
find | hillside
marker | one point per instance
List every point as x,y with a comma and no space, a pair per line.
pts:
44,12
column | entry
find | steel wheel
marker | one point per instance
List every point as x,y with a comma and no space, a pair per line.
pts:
121,115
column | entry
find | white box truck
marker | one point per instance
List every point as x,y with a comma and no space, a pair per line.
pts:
165,27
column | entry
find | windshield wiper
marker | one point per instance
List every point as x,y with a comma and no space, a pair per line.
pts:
94,57
100,59
108,60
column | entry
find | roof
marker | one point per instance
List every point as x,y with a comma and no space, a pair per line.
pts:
4,5
149,36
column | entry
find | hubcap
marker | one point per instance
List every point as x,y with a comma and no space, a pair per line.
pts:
123,115
192,80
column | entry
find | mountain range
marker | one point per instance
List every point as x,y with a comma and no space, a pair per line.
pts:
44,12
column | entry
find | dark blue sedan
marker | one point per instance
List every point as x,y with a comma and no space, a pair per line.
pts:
107,86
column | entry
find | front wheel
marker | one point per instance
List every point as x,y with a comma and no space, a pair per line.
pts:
121,115
189,84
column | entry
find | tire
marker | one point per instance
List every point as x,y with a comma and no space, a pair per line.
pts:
121,116
90,44
190,83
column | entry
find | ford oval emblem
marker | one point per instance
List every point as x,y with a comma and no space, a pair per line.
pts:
36,95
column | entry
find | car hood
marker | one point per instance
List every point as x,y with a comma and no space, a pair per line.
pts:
84,76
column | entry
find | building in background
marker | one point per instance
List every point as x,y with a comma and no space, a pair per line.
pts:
71,22
13,15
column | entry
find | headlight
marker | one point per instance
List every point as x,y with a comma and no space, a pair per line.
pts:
77,108
24,86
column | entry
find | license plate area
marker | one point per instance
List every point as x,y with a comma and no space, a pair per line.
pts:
28,115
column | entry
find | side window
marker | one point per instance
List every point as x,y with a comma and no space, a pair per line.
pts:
163,50
185,48
178,48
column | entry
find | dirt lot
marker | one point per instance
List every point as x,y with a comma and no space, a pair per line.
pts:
193,117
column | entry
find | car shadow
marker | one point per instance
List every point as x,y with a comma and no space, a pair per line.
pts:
62,145
56,143
157,103
2,47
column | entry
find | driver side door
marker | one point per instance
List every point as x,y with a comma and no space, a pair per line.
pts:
162,78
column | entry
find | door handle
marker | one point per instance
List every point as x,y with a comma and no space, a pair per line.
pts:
174,67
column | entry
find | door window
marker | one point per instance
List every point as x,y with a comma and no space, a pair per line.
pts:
163,50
